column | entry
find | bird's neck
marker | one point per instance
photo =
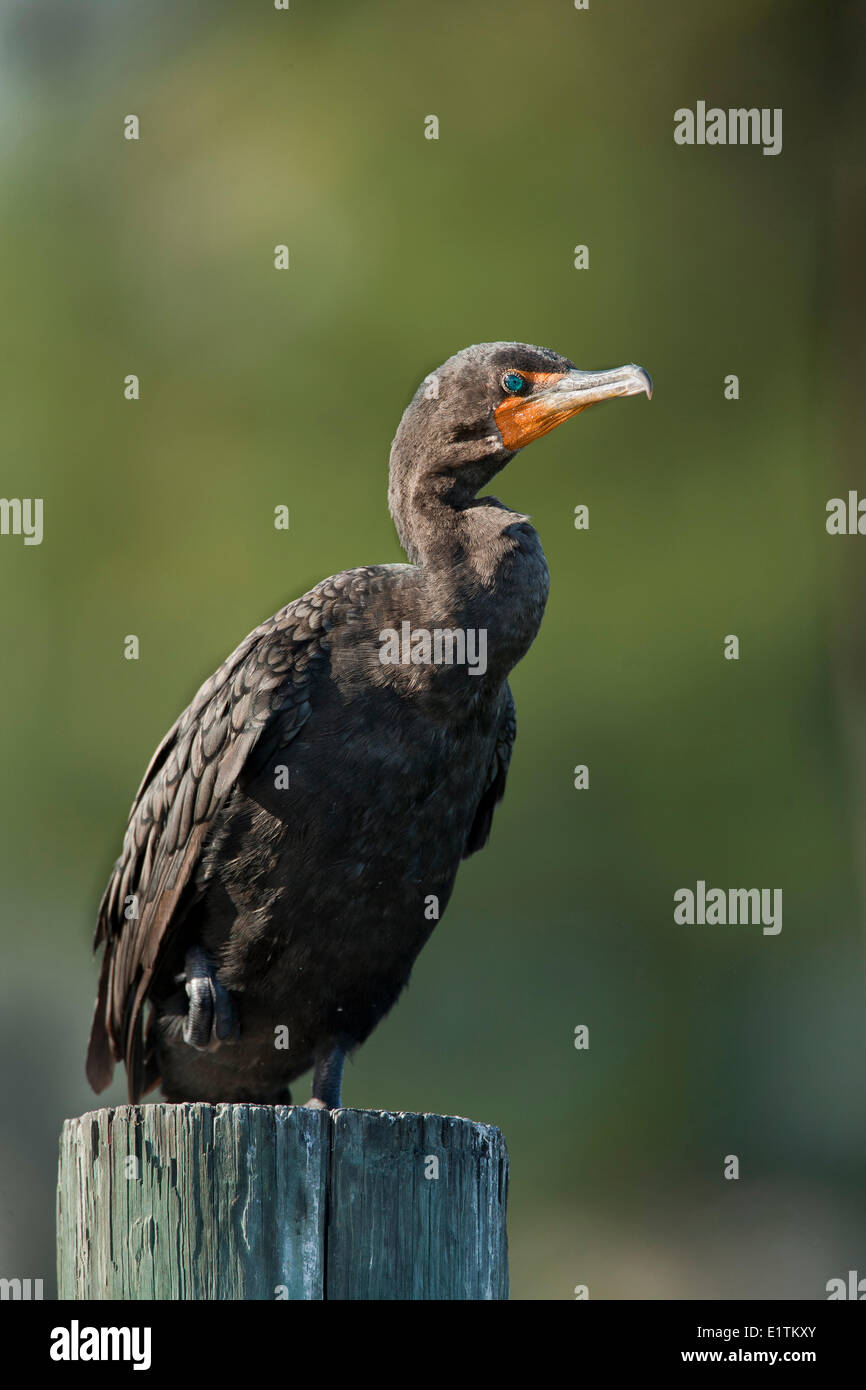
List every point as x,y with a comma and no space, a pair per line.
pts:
441,522
480,565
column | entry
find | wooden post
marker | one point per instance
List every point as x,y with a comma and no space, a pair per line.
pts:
269,1202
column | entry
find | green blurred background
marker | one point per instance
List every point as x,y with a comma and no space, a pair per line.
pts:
707,518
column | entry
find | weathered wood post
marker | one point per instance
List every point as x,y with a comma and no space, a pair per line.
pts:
268,1202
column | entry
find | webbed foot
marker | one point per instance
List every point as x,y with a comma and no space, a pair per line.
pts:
211,1016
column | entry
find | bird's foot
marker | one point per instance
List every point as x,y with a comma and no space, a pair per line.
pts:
328,1079
211,1016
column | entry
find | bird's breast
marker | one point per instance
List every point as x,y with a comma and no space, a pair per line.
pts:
334,862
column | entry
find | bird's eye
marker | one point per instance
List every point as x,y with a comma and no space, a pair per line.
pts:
513,382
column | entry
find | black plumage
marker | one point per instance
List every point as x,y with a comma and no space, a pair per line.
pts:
312,803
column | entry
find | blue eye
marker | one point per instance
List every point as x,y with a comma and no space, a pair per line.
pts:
513,382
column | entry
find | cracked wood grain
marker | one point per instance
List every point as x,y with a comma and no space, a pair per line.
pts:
262,1202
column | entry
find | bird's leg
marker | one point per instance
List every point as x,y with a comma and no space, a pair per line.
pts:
211,1017
328,1079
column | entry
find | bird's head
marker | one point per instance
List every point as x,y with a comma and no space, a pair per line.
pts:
470,416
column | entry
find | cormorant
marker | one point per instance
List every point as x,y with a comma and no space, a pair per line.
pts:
300,827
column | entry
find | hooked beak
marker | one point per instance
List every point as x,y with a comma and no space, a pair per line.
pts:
521,419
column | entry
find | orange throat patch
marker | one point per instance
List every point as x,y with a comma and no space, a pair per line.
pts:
521,419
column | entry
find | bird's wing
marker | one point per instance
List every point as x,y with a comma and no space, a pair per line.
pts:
268,682
494,788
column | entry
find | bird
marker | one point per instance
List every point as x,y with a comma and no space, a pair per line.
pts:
298,831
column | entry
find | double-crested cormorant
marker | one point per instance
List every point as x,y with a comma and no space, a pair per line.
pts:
302,823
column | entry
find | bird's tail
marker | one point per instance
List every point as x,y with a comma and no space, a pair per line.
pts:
100,1053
